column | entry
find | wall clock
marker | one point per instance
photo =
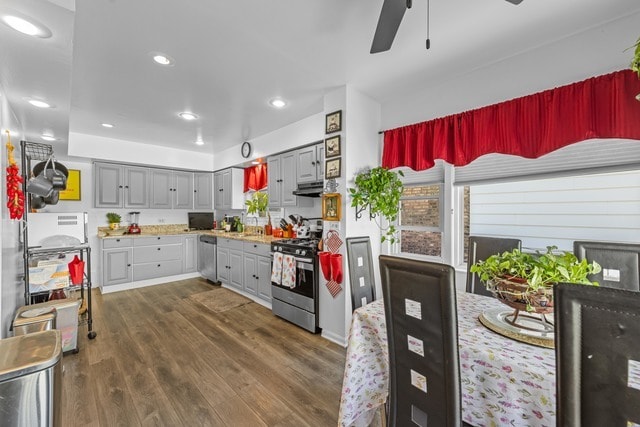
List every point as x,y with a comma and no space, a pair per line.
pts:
245,149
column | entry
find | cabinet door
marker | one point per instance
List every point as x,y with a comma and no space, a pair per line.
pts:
320,161
183,190
288,173
190,254
136,187
108,186
250,274
274,184
264,277
161,189
116,266
218,198
227,189
306,164
202,191
222,265
235,262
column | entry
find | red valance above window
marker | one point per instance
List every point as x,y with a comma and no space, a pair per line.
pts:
255,177
531,126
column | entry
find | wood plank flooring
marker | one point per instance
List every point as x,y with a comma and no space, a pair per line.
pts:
163,359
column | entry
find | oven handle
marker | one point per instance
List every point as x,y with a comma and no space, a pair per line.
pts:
302,260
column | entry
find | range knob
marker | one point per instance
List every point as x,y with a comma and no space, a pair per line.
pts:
303,253
297,251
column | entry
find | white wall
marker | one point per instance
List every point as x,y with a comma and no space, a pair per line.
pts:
558,211
97,147
11,283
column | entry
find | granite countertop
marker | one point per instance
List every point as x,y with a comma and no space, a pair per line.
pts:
250,235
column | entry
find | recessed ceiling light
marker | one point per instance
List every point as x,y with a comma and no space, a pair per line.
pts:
27,26
188,116
107,125
255,162
47,137
39,103
163,59
278,103
199,142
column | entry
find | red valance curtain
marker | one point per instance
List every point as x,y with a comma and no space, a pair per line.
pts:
531,126
255,177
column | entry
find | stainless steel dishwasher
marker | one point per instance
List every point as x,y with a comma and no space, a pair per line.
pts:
207,257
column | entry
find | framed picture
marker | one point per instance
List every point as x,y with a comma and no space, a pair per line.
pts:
332,146
73,186
333,122
332,168
331,205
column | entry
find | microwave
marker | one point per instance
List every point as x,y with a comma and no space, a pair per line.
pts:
200,220
51,225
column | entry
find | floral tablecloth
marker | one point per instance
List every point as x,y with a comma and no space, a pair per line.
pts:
503,382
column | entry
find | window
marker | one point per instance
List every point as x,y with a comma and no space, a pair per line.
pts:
420,220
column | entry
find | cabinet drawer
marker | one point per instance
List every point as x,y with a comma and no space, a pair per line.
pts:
230,243
157,240
156,253
153,270
116,243
257,248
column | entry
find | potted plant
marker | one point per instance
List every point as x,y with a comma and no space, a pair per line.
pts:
635,62
114,220
378,190
259,203
525,281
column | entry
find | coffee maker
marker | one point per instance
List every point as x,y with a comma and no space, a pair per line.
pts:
133,223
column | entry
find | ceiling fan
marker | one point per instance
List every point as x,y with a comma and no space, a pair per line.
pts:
390,17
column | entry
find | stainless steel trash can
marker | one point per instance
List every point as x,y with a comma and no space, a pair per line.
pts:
29,319
31,380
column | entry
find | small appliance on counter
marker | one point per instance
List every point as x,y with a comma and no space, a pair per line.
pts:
134,228
200,220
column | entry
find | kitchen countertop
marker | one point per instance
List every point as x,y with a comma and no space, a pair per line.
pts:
173,231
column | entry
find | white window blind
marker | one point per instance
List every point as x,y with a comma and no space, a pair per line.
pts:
434,175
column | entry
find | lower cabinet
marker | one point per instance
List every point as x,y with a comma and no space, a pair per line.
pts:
116,266
235,276
257,270
190,254
222,264
264,277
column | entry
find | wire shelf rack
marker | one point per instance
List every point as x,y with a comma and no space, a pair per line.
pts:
36,151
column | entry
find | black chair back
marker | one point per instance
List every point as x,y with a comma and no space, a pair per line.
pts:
361,275
481,248
597,341
422,330
620,263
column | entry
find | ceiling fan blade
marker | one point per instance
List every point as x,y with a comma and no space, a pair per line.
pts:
388,23
515,1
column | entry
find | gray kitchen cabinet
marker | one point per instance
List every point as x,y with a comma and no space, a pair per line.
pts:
236,275
264,277
117,186
282,179
228,186
250,267
157,256
222,265
116,266
202,191
309,163
190,253
171,189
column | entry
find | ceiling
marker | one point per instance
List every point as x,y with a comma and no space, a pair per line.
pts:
231,57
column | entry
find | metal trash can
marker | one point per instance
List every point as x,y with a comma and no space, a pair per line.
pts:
29,319
31,380
66,319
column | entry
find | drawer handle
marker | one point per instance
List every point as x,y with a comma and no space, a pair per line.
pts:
257,278
158,238
128,265
117,240
158,248
158,265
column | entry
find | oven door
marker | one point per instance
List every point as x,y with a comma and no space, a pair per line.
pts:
305,278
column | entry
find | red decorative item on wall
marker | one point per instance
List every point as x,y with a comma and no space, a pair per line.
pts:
15,196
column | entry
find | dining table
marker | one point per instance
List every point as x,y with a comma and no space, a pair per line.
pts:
503,382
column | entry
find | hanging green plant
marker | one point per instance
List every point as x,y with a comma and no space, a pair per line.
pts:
259,203
379,190
635,62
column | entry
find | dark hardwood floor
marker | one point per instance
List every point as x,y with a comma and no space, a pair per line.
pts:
162,358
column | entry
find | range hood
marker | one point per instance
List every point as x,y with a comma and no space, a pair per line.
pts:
310,189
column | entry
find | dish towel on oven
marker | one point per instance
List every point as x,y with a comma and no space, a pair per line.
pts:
276,268
289,271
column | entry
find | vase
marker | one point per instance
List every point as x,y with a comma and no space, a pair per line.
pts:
114,225
515,292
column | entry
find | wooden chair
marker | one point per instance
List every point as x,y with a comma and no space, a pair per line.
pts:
422,330
361,275
597,356
481,248
620,263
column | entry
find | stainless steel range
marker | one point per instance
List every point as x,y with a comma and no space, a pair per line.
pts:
297,301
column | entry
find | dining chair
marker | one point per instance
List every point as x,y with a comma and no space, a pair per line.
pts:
422,333
620,263
481,248
597,341
361,275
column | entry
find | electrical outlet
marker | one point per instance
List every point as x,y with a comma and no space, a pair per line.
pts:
332,225
161,220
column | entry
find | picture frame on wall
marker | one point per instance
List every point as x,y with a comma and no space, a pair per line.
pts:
332,146
73,191
331,207
333,122
332,168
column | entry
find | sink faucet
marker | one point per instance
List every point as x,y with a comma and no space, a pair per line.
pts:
256,227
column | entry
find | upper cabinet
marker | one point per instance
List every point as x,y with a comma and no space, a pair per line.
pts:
310,163
117,186
227,189
171,189
282,175
203,190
